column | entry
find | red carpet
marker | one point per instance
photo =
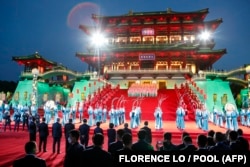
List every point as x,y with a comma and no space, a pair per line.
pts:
12,143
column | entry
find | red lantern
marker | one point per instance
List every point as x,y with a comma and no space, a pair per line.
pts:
205,96
84,88
89,84
64,77
77,91
71,95
94,83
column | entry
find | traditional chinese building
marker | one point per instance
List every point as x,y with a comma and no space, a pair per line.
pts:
152,45
170,49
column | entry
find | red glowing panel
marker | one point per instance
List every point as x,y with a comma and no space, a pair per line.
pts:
204,57
174,18
134,20
175,28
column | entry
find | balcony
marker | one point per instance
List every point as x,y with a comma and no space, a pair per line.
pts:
148,74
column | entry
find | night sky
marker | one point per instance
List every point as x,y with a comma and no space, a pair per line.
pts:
50,27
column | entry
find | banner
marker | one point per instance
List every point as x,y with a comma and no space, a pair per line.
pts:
147,56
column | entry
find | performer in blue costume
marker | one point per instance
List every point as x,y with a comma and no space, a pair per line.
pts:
112,115
132,118
63,115
73,114
220,117
248,117
116,117
99,113
205,116
215,112
15,109
90,113
1,110
235,119
228,116
47,114
104,117
138,115
158,118
17,120
180,115
198,117
234,116
243,116
33,110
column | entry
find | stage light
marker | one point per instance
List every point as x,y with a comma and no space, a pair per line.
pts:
98,39
205,35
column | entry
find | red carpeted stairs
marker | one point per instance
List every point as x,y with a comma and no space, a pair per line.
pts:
149,104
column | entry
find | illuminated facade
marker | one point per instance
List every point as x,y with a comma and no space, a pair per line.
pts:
154,45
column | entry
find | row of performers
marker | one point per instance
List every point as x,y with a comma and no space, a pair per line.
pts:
20,115
227,118
97,114
19,111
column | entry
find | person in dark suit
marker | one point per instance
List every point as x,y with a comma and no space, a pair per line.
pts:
141,144
126,129
57,135
75,150
202,142
32,129
167,143
96,156
25,120
182,145
189,146
111,133
234,143
210,138
84,133
118,144
67,128
98,129
149,133
43,135
242,140
30,159
127,144
220,145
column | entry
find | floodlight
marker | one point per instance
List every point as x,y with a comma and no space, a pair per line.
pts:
98,39
205,35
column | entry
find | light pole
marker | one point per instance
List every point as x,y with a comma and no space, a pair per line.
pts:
35,73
